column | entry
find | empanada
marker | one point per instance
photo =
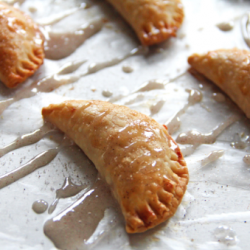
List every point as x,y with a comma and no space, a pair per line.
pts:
153,20
134,154
21,46
229,69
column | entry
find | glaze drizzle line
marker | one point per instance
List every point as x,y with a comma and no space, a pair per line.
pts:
28,139
68,189
37,162
61,45
49,20
195,137
56,80
174,123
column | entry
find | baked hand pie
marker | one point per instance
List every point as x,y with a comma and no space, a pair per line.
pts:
21,46
134,154
153,20
229,69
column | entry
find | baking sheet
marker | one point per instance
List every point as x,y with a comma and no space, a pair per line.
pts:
215,212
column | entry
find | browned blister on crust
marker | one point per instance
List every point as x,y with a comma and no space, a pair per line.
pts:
229,69
21,46
153,20
134,154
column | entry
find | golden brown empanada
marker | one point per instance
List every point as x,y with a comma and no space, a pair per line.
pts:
153,20
133,153
229,69
21,46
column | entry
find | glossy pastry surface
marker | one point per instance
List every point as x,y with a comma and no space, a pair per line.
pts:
134,154
229,69
21,46
153,20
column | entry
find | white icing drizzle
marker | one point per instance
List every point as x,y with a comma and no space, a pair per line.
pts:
218,218
59,16
226,235
137,98
156,107
46,84
226,26
37,162
127,69
68,189
94,67
189,149
70,67
28,139
218,97
245,22
174,123
54,81
147,86
213,156
151,85
195,137
246,159
40,206
61,45
71,228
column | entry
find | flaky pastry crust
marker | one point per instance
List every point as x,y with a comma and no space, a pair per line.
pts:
229,69
21,46
153,20
134,154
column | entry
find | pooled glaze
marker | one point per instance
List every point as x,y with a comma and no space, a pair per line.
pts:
40,206
71,228
68,189
61,45
213,156
195,137
174,123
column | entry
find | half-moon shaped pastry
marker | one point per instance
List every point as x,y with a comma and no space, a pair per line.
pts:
134,154
153,20
21,46
229,69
